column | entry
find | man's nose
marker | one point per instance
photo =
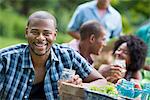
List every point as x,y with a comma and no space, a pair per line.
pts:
40,36
104,43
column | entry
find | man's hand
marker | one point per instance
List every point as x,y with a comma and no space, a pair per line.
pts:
75,80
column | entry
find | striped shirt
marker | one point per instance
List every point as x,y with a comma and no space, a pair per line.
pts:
17,71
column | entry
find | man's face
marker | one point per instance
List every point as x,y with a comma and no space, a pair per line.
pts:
104,3
40,35
99,43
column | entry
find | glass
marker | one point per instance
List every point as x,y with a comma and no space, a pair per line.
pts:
67,74
120,63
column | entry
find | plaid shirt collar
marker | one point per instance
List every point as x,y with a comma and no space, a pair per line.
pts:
26,57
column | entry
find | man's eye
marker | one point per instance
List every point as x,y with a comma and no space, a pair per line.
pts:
47,33
34,32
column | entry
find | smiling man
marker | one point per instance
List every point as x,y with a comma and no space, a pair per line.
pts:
32,71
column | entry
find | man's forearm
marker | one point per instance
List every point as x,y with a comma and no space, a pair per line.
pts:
94,75
99,82
75,35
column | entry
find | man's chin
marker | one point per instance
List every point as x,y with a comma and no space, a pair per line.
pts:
39,54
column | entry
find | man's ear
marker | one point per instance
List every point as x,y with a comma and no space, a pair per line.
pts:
26,32
92,38
55,34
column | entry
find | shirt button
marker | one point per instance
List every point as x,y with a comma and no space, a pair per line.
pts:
30,80
25,97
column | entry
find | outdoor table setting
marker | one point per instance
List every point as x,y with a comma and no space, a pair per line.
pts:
123,90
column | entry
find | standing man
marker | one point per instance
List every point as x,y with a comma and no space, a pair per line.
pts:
32,71
100,10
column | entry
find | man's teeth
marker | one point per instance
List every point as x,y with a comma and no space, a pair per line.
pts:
40,45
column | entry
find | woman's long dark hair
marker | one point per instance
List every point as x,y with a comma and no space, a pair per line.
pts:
137,51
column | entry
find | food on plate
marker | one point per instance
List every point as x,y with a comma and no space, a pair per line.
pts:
109,89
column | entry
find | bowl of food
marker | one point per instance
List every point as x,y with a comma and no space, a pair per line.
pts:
107,92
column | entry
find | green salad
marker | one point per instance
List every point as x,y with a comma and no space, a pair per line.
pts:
109,89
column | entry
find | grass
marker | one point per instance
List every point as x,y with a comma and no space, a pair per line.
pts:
62,38
4,41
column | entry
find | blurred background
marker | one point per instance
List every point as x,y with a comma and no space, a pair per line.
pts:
14,14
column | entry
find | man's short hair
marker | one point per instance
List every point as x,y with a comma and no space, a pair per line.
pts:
90,27
42,15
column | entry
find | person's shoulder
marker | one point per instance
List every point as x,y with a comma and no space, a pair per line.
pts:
61,48
143,29
14,49
63,51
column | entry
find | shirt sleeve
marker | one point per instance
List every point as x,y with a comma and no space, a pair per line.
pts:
75,21
1,75
82,67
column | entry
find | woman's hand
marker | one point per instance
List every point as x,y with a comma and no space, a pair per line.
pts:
112,73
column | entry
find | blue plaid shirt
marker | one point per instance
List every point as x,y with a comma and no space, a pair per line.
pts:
17,71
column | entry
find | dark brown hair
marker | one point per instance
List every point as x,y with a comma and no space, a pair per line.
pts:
90,27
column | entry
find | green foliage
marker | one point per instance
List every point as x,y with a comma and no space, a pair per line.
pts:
147,61
71,4
62,20
5,41
62,38
126,25
11,24
134,13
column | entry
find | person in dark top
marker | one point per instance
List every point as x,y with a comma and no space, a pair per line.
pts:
133,50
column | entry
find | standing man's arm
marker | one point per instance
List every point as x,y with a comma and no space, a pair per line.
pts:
75,35
75,23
